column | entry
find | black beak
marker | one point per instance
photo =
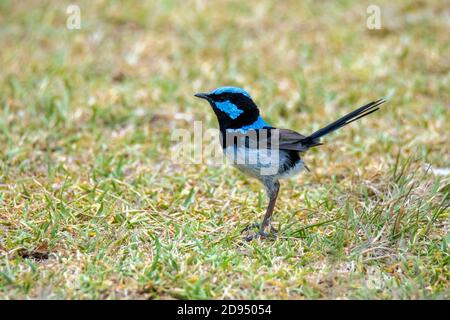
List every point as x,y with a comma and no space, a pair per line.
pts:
202,95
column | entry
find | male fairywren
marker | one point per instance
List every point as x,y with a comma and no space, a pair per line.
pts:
261,150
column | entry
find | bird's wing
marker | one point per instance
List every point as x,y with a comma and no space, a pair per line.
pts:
290,140
272,138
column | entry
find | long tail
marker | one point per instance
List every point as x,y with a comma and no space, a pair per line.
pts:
363,111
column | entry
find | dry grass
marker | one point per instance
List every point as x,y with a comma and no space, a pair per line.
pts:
91,205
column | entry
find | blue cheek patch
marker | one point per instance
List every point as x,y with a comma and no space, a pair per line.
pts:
230,109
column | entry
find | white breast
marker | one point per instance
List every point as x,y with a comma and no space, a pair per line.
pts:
262,163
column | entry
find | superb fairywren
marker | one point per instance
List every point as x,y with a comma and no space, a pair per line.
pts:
261,150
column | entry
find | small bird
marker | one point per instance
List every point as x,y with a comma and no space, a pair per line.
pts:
261,150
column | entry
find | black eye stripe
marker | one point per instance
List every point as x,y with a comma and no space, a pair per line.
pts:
220,97
235,98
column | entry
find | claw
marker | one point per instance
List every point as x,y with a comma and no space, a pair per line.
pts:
260,234
249,238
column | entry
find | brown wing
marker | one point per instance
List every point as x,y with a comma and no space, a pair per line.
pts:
291,140
284,139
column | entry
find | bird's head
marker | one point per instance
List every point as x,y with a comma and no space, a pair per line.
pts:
233,107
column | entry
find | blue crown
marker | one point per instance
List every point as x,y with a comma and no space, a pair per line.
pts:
230,90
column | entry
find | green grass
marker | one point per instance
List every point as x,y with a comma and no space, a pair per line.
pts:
92,205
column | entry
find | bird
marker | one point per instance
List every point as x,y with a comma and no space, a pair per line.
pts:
263,151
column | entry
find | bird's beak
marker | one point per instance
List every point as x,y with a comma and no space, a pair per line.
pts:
202,95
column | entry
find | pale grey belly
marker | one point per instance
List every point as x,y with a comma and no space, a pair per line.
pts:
262,164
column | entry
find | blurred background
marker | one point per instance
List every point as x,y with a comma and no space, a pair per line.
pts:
85,132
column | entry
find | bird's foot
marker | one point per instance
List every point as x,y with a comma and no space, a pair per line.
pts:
258,226
262,235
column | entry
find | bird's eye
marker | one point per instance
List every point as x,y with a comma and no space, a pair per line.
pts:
221,97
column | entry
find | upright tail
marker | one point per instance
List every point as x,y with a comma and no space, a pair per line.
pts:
363,111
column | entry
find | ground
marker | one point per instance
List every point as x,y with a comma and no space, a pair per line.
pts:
93,203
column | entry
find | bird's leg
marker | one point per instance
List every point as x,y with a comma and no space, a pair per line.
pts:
273,195
272,191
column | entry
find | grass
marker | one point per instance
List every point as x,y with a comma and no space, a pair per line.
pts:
92,204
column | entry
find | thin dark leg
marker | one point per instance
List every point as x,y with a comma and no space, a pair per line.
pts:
270,208
272,192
